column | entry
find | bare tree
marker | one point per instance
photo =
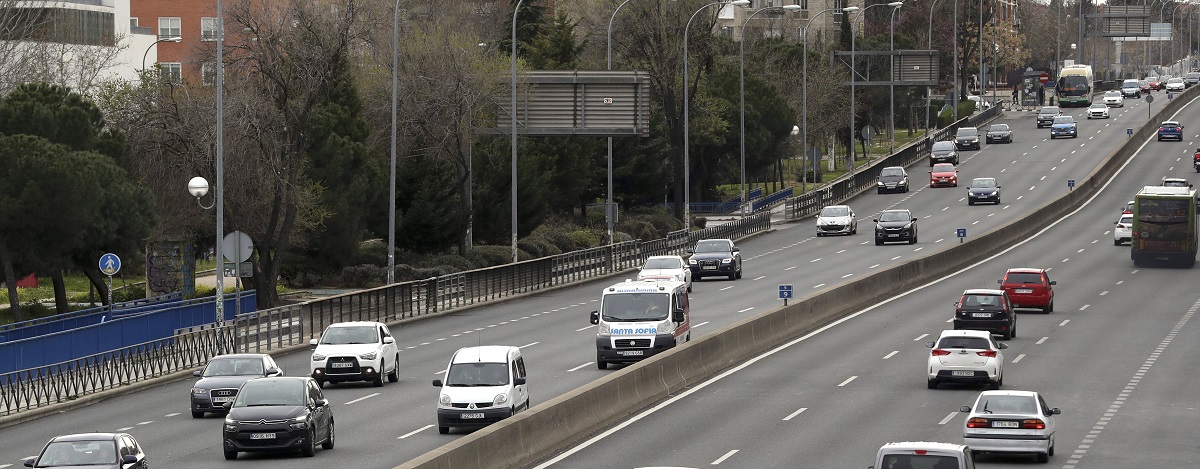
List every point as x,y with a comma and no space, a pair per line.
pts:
36,46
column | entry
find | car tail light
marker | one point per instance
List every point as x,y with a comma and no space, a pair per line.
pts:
977,423
920,452
987,353
1160,129
1033,424
937,352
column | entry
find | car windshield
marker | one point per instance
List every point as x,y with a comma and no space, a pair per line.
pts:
998,128
713,246
1170,125
477,374
1099,106
1175,80
943,168
1112,94
918,461
1024,277
1007,405
967,132
896,171
835,211
662,263
1126,219
233,367
271,392
78,453
1175,183
350,335
1151,78
977,343
894,216
1049,110
1064,120
983,182
937,146
980,301
635,306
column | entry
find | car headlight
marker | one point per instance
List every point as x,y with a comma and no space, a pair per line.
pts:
199,391
604,329
904,181
878,228
230,425
880,184
664,327
316,357
444,400
727,260
298,424
369,355
691,262
500,399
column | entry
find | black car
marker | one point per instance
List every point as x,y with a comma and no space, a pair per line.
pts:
983,190
895,225
278,414
999,133
1046,115
967,137
943,152
91,450
892,179
986,310
715,257
224,374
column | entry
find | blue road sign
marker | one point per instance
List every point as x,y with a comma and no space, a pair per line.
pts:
785,292
1128,131
110,264
1071,183
962,232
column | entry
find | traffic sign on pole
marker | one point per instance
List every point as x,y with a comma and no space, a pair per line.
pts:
110,264
785,293
1044,78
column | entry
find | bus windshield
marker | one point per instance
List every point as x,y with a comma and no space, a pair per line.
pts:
1073,85
635,306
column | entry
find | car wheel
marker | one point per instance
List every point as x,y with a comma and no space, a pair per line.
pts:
321,384
913,240
443,430
197,414
1043,457
739,274
1051,452
1160,139
394,376
689,287
601,364
328,444
931,384
378,381
994,385
1116,242
310,449
230,454
1007,335
819,234
879,242
1049,308
880,191
970,202
854,231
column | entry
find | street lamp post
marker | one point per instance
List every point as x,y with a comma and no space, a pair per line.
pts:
219,199
687,169
853,72
391,253
151,46
513,123
892,87
804,110
742,93
608,208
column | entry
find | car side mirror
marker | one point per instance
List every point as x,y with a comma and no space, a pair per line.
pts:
29,462
691,251
1002,345
678,316
876,220
321,402
313,342
273,371
196,373
1054,282
1055,411
437,383
519,381
128,459
965,408
1116,222
227,405
999,187
1000,282
914,219
955,304
929,344
737,249
389,340
595,317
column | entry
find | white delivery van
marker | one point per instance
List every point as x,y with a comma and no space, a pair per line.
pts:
483,385
923,455
638,319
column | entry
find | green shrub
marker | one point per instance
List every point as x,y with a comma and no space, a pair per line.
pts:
137,292
699,222
584,239
455,262
639,228
364,275
490,256
532,246
371,251
404,272
423,273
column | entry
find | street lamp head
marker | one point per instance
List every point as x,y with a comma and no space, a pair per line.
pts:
795,130
792,7
198,186
740,3
896,4
173,39
850,9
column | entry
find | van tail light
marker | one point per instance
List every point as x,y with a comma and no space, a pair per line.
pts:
977,423
987,353
1033,424
937,352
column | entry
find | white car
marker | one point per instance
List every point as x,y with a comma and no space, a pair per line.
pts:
1114,99
966,356
1097,111
1123,232
483,385
355,351
836,219
1016,422
666,268
1175,84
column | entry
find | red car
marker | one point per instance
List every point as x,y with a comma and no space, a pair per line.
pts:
1029,288
943,174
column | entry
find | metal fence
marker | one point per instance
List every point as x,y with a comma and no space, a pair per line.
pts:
287,326
847,186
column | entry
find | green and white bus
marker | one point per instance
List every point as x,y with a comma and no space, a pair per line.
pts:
1164,226
1074,86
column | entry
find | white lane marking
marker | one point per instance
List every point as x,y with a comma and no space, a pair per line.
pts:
2,466
1052,169
726,288
427,343
1065,321
414,432
1031,187
124,429
585,328
874,266
1105,292
1094,241
948,418
701,324
890,355
976,222
148,422
847,381
922,336
1080,250
1081,308
894,258
368,396
744,310
438,372
790,268
1042,340
1018,359
580,366
441,339
918,249
723,458
939,240
529,345
171,415
819,285
1043,178
1067,259
794,414
839,252
760,277
1120,282
847,275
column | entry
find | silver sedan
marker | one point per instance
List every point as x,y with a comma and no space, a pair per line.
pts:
1017,422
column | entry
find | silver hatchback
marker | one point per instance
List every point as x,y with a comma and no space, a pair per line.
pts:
1010,422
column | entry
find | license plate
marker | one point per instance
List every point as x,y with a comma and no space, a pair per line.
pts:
1005,424
220,400
632,353
893,236
1024,290
262,436
981,315
709,267
341,365
470,416
962,373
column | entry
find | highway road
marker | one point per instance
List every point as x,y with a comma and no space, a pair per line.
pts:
382,427
1117,356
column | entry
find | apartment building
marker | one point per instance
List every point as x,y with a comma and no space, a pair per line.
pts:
195,23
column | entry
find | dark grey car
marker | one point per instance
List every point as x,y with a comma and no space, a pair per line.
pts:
943,152
1046,115
715,257
892,179
91,450
999,133
967,137
895,225
224,374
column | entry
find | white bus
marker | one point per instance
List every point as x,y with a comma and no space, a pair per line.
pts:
1074,86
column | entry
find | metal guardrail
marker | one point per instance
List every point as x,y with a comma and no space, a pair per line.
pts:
292,325
89,311
847,186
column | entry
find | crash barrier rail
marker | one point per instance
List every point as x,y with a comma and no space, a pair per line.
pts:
850,185
115,334
64,321
292,325
555,425
770,200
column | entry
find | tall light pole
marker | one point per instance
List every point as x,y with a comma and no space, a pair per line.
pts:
742,91
954,97
151,46
804,111
892,87
929,46
513,122
608,208
980,40
853,72
391,253
220,177
687,169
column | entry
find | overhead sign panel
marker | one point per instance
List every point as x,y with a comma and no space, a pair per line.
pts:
580,102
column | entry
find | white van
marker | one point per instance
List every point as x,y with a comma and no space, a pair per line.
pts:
638,319
923,455
483,385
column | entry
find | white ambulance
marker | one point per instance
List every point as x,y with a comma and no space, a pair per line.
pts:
638,319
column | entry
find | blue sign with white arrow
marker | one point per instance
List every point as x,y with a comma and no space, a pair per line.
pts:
110,264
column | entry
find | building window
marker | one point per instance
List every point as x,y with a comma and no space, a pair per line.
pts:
169,27
838,14
803,4
208,29
171,71
208,73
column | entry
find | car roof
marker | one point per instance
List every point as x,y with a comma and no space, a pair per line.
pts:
998,125
905,210
483,353
239,355
1007,392
665,257
895,167
965,333
835,206
1025,270
87,437
1170,122
983,179
983,291
927,445
355,323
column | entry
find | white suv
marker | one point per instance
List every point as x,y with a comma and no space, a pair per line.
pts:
355,351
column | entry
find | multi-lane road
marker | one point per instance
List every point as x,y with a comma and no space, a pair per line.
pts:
854,398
